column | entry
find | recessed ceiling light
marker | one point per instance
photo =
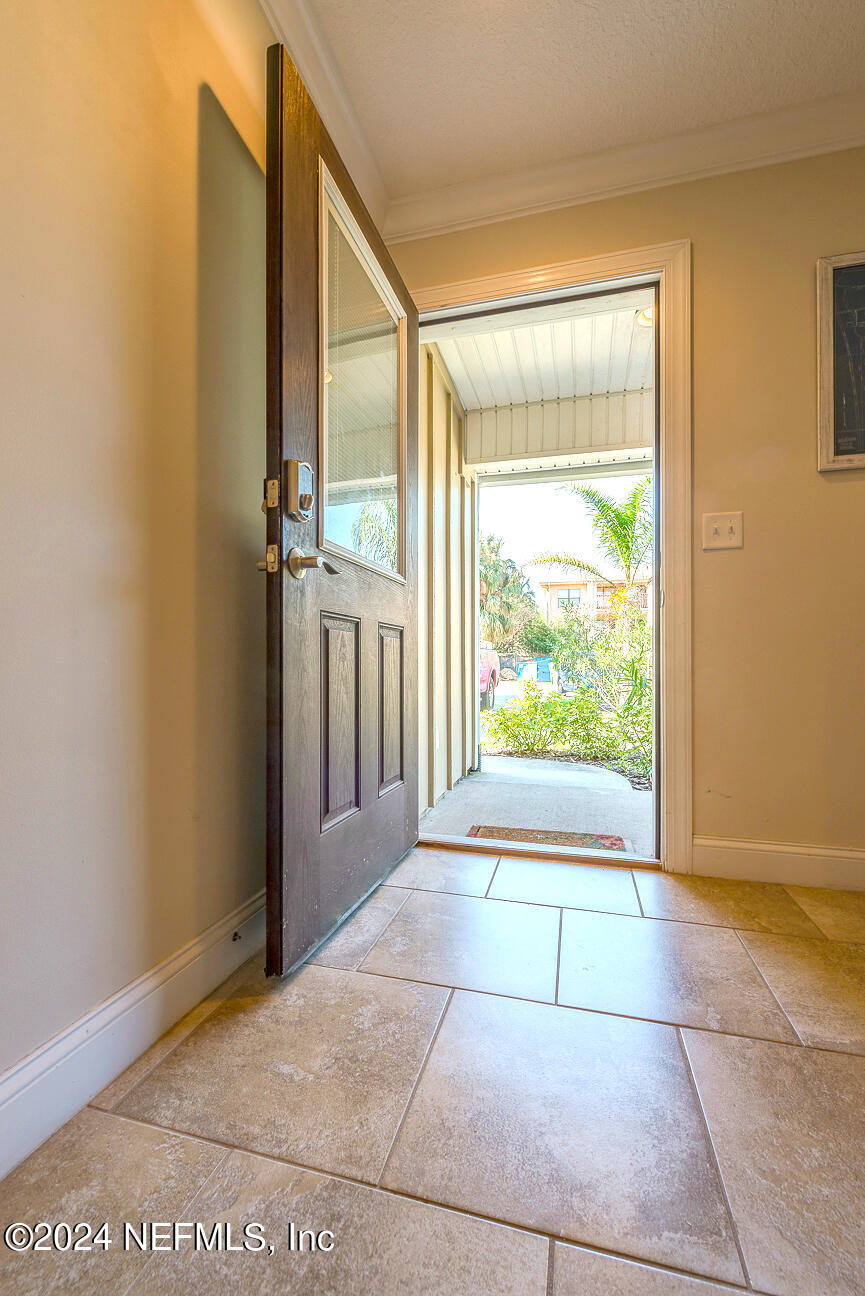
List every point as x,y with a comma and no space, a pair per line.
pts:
646,317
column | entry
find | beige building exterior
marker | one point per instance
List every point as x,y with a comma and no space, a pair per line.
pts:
563,588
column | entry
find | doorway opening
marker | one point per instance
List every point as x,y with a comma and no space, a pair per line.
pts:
553,412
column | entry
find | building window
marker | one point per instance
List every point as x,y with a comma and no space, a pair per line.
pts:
569,598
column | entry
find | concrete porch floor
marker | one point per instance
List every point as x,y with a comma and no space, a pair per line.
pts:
514,792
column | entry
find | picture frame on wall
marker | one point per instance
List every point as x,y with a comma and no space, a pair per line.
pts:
841,361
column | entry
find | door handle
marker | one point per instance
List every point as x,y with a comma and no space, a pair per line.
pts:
299,564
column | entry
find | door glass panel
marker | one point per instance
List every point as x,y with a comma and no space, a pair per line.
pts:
361,422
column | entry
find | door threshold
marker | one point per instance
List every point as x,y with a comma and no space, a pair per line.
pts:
527,850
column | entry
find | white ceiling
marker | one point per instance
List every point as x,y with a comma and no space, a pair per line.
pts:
463,110
555,353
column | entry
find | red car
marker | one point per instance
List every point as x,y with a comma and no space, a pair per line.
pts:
490,669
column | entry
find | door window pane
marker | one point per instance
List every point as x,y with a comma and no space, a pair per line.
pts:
361,398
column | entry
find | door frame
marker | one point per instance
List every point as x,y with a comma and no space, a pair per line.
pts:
669,265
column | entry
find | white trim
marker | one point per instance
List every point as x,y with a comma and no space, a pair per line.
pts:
670,265
762,140
784,135
612,269
53,1082
293,23
531,850
785,862
331,202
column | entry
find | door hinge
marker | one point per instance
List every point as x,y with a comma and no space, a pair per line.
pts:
271,494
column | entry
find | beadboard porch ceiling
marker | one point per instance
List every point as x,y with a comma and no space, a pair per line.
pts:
592,347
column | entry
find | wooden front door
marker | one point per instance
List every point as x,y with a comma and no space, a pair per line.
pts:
340,500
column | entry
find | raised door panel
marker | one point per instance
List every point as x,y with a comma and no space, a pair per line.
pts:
391,707
340,718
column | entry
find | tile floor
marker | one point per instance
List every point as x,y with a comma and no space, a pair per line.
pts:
500,1078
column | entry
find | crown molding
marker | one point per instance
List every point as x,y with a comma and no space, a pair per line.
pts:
294,25
790,133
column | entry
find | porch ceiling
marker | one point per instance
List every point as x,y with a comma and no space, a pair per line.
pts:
552,353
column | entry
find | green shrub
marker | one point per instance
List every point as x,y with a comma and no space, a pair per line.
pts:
538,639
634,721
541,721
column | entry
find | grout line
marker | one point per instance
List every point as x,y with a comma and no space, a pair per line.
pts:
769,988
639,901
551,1261
785,886
416,1084
714,1153
379,934
616,913
606,1012
493,878
217,1006
186,1209
537,904
405,1195
559,954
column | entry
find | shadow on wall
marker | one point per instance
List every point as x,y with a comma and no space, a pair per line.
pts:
230,466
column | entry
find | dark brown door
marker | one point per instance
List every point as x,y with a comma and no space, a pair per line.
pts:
340,494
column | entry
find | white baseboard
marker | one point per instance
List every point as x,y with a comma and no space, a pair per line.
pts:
39,1093
798,865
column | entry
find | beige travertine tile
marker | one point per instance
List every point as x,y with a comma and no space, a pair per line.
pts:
383,1245
577,1124
579,886
722,902
461,872
317,1069
788,1125
840,915
348,946
578,1272
454,940
249,975
677,972
820,984
97,1169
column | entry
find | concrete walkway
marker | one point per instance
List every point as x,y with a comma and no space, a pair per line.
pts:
515,793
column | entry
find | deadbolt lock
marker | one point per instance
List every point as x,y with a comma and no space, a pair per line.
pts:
299,490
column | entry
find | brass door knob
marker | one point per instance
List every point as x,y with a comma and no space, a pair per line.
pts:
300,563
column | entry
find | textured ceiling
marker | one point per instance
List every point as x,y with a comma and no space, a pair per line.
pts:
460,90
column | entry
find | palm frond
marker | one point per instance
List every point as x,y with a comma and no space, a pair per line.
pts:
571,560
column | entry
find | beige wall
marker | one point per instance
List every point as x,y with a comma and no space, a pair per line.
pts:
132,373
447,692
779,668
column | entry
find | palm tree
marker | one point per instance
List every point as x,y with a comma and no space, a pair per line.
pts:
505,596
375,532
624,532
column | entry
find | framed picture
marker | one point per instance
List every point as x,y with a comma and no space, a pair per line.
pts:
841,361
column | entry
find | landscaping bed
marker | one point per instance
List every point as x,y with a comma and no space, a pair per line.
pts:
638,780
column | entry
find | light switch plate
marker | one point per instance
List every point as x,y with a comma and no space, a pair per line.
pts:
722,531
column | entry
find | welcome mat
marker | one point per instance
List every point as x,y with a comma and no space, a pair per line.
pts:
548,837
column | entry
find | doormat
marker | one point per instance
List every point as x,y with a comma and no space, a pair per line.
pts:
550,837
